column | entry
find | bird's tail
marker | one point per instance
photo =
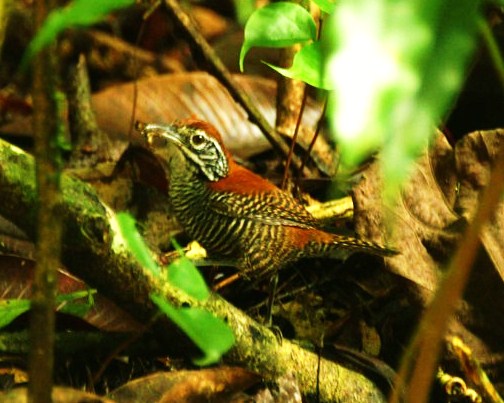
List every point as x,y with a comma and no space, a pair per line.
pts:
336,244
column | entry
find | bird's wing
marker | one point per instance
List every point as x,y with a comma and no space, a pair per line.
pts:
273,208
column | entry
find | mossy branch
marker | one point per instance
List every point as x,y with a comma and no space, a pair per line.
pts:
94,251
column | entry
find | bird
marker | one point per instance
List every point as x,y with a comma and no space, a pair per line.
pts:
234,213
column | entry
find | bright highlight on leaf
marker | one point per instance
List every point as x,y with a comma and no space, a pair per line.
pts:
76,14
395,67
327,6
370,72
278,25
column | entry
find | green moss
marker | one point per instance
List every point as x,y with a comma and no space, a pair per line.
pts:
81,208
17,180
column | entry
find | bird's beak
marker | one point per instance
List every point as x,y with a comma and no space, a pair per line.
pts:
158,135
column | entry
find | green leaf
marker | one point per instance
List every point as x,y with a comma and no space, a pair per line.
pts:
77,13
10,309
183,274
136,244
212,335
307,67
396,67
76,295
326,6
278,25
75,308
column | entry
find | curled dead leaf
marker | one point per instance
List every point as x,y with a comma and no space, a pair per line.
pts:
423,220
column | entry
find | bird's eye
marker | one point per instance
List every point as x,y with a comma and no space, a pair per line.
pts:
197,140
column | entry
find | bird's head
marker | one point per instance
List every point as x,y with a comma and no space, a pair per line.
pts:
194,142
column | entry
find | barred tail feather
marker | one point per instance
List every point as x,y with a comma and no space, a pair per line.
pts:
340,243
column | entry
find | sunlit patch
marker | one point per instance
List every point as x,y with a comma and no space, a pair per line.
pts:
359,83
375,72
12,148
118,244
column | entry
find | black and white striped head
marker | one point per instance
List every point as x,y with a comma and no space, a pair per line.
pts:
199,142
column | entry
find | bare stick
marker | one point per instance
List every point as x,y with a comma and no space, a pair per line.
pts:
46,126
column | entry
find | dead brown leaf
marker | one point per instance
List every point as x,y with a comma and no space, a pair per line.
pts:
215,384
483,311
423,220
474,156
16,278
165,98
432,210
440,197
59,395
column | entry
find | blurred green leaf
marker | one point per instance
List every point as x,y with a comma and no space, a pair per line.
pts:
77,13
327,6
243,10
493,48
278,25
10,309
183,274
307,67
136,244
396,67
212,335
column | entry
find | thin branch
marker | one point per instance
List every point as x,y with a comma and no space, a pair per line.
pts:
315,135
492,48
90,145
49,225
294,140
